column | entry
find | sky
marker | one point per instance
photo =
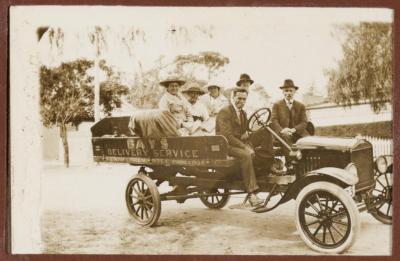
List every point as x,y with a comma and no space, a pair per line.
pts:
269,44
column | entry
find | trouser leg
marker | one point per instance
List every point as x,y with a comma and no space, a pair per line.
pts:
246,168
288,140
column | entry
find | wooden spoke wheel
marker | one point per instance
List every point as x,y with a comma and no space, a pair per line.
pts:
215,201
383,193
326,217
259,119
143,200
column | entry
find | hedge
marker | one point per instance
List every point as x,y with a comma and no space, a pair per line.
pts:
376,129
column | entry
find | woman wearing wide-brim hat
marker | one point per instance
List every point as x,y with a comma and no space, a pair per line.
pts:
173,101
214,99
193,88
172,79
196,108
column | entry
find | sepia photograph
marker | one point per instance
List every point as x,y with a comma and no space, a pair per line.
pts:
201,130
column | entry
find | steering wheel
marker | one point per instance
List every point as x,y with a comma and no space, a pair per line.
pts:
259,119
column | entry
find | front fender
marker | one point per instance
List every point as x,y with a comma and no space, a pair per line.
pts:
337,176
340,174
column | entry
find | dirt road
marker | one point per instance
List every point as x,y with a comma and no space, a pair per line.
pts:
84,212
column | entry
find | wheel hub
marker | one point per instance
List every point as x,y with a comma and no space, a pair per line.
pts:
140,198
388,193
324,218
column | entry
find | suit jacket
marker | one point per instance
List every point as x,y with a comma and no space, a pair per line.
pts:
281,117
227,125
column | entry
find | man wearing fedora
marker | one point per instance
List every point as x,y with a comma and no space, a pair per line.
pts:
288,115
260,138
214,100
246,82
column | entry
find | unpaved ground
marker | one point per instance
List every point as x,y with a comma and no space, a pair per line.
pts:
84,212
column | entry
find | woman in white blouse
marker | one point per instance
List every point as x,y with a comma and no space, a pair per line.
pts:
214,99
173,101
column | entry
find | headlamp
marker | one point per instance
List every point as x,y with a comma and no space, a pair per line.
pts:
298,155
351,167
381,164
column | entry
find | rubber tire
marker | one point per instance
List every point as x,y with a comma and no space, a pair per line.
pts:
381,219
221,204
348,202
155,196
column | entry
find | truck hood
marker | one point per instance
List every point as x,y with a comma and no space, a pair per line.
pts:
333,143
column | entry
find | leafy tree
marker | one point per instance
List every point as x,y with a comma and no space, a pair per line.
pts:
146,90
66,97
261,92
365,72
111,89
212,62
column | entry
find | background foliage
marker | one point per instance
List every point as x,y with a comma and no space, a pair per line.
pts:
67,95
365,73
200,68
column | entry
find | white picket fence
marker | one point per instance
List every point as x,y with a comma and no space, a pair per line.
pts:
381,146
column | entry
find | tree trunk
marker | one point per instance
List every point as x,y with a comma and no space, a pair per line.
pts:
63,131
96,82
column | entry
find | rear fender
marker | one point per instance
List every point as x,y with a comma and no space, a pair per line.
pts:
338,176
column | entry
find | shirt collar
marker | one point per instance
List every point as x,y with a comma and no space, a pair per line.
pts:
178,95
289,101
214,98
236,109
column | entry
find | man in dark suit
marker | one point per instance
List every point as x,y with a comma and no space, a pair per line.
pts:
289,117
231,122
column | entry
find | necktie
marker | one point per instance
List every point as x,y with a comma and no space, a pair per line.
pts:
289,104
239,115
242,119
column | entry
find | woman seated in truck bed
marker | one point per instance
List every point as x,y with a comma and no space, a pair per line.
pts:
203,124
174,102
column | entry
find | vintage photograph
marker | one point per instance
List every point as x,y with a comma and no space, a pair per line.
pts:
201,130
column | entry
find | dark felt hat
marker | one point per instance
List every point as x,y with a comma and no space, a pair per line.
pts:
244,78
172,79
288,84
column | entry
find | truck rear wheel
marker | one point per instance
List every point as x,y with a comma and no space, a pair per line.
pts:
143,200
215,201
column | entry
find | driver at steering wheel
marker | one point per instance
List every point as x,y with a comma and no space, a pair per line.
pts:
231,122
